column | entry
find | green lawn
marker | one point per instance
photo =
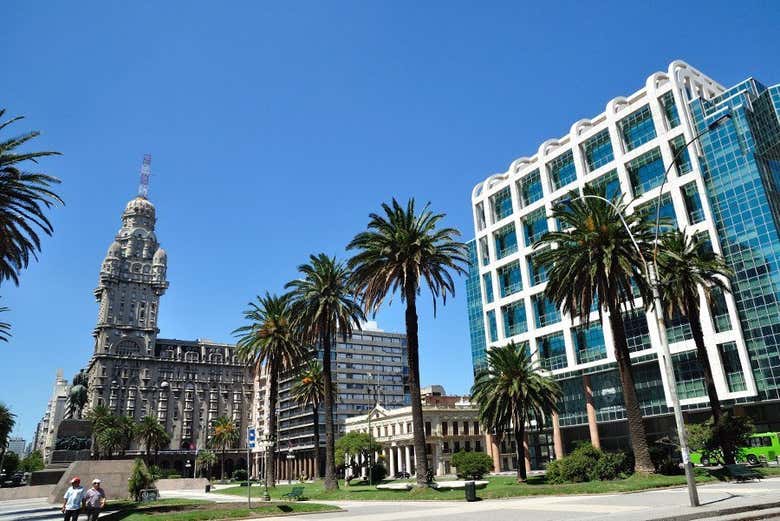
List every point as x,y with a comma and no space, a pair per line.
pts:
198,510
499,487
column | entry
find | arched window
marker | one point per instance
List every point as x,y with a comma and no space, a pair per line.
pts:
126,348
191,356
215,358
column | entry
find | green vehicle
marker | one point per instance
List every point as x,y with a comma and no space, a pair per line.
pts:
762,446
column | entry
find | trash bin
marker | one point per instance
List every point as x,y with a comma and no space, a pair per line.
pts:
471,491
208,488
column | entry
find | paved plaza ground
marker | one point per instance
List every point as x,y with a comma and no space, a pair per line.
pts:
639,506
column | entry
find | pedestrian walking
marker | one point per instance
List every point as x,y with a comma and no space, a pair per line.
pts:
74,500
95,499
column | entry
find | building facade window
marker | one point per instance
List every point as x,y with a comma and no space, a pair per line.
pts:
637,128
487,283
509,279
589,343
732,367
537,273
598,150
636,330
492,328
562,170
645,172
552,351
670,110
682,159
693,203
534,226
545,311
608,184
501,204
515,322
529,189
505,241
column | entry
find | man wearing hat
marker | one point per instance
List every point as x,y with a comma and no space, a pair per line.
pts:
95,499
74,499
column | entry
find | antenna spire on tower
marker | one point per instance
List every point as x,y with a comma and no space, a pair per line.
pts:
146,172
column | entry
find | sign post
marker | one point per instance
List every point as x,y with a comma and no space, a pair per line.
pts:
251,434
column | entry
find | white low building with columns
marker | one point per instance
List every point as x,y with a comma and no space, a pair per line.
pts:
450,422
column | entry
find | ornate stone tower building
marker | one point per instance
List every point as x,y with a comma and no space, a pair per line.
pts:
132,280
185,384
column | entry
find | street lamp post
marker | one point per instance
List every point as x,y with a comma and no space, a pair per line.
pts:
652,277
370,435
266,445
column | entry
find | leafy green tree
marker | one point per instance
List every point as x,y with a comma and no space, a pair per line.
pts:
7,423
225,435
126,427
356,445
10,463
512,390
309,390
153,435
686,267
32,462
24,198
269,340
472,465
323,305
721,441
595,260
140,479
110,439
100,417
401,251
205,460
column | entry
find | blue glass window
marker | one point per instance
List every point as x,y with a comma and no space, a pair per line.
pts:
690,378
484,254
682,161
480,212
534,226
609,183
589,343
646,172
506,241
552,351
545,311
636,329
487,282
492,328
530,189
693,203
562,171
732,367
536,272
475,314
598,150
515,321
720,312
637,128
668,218
509,279
501,204
670,110
678,328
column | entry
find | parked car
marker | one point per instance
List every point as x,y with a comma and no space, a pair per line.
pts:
762,446
402,475
14,480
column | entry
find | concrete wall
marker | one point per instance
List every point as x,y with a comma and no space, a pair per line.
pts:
33,491
112,473
181,484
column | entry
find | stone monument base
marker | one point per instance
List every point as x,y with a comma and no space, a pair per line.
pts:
113,475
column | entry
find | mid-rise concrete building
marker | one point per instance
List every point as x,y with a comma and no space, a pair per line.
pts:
18,446
722,187
46,431
370,365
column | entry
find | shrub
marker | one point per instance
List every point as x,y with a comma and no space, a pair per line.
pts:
140,479
611,465
378,472
239,475
472,465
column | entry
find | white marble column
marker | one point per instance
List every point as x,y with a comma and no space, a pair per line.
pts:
393,453
407,459
435,459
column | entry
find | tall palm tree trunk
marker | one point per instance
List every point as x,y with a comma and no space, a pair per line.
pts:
270,453
518,427
222,468
413,353
636,426
694,321
330,442
316,415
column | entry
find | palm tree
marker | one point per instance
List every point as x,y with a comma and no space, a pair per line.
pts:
310,391
111,439
596,260
7,423
205,460
225,435
511,391
324,306
152,434
24,197
269,340
5,327
400,251
100,418
686,266
126,427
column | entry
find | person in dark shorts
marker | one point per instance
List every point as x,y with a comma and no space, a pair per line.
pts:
95,500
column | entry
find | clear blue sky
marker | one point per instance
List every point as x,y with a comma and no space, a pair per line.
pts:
276,128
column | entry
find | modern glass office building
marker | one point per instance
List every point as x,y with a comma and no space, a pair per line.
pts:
722,187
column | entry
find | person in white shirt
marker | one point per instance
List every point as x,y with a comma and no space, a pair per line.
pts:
74,500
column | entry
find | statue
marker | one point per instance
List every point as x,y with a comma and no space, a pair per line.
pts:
77,396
